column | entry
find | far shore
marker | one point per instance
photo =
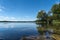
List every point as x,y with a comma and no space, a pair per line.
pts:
18,21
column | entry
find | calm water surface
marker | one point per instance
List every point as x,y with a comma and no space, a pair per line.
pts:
14,31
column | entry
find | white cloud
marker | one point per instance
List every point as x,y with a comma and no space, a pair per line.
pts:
6,18
2,18
2,8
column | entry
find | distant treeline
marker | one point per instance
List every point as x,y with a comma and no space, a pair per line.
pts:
18,21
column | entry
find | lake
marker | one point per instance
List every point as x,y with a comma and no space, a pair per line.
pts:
15,31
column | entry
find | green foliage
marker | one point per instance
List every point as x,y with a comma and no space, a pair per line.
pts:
41,14
56,11
54,18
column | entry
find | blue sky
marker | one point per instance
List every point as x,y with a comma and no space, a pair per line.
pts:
23,9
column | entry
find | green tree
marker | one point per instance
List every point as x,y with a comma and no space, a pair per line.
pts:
50,17
56,11
41,15
44,17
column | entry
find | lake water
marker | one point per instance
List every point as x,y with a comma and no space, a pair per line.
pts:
15,31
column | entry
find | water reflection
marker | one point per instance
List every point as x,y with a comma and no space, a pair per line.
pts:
30,31
14,31
48,31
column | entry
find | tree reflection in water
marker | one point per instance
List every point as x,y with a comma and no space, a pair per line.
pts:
48,30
